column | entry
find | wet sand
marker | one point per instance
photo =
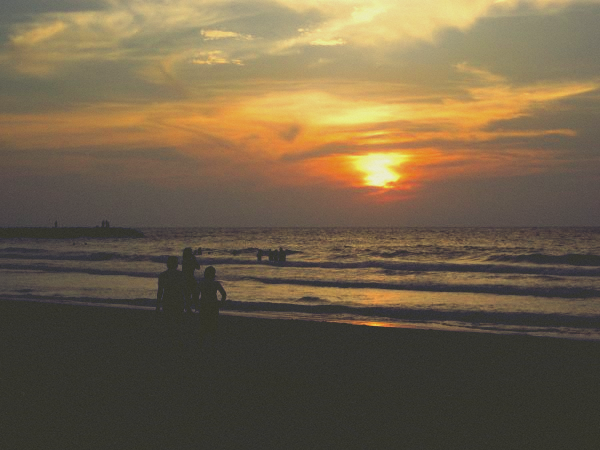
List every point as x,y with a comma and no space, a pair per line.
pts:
92,377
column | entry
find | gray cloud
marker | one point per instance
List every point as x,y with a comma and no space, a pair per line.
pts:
290,133
24,8
524,48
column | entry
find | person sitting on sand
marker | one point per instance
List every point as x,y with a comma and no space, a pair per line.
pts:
209,303
189,264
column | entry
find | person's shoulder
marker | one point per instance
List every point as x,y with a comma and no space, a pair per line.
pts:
171,273
207,283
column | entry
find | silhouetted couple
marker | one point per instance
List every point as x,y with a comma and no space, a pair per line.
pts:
178,292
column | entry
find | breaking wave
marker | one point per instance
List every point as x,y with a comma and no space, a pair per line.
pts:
571,259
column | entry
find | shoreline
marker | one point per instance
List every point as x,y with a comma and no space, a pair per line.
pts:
105,377
575,334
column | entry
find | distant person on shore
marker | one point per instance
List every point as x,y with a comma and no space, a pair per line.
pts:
189,264
170,297
209,302
281,256
259,255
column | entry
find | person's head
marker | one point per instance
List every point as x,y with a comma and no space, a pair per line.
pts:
187,252
172,262
210,273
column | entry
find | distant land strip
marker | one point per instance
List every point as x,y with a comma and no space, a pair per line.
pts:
69,233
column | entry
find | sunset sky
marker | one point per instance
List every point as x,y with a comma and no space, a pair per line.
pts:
300,113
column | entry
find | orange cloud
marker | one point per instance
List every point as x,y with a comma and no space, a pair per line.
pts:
301,135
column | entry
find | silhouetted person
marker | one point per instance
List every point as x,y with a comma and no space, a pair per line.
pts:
271,255
209,302
189,264
170,297
259,255
281,254
170,303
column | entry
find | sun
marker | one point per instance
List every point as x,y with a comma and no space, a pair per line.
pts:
379,169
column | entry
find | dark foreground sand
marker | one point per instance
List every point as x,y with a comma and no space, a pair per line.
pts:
83,377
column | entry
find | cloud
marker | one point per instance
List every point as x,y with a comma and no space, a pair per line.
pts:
445,138
328,43
212,35
148,30
290,133
38,34
120,31
381,22
389,116
215,57
293,90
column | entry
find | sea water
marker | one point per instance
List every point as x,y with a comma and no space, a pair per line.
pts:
541,281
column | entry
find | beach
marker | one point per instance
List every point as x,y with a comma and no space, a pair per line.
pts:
98,377
539,281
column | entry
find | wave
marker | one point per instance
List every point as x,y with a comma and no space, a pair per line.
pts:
394,254
21,250
136,302
531,264
571,259
418,267
476,318
45,255
425,314
403,285
86,270
560,292
310,299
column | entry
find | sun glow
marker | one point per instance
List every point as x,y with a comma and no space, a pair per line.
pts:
380,169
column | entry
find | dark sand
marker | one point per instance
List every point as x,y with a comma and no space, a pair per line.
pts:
86,377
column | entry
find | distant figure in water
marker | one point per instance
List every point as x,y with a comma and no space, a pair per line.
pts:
170,297
259,255
189,264
209,303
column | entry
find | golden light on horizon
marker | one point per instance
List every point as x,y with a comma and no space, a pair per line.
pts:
379,169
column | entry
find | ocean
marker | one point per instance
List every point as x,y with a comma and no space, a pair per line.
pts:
537,281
